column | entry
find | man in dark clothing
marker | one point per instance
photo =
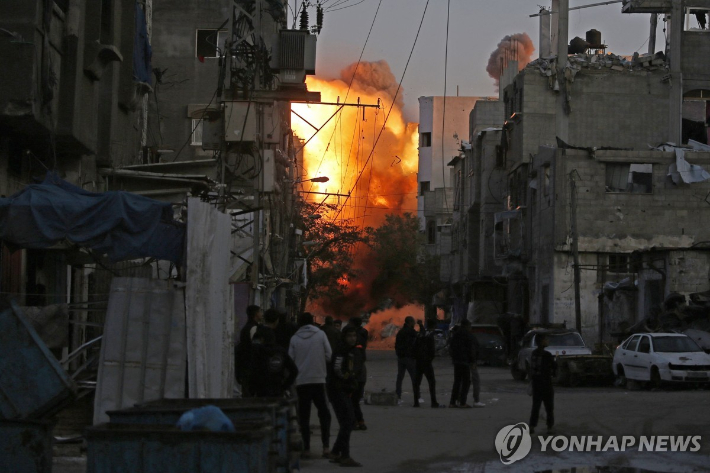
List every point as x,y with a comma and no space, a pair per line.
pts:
424,353
242,352
284,330
543,368
272,371
334,334
404,348
360,352
343,374
462,355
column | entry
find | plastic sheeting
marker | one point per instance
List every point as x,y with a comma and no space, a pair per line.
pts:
682,171
143,351
209,302
118,224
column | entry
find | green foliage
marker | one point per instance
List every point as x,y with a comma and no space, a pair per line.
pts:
330,259
407,273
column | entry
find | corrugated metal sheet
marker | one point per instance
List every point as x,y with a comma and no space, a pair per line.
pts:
209,302
32,383
143,352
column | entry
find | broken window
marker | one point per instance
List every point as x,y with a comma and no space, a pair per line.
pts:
633,178
196,132
696,18
209,43
423,187
425,140
546,177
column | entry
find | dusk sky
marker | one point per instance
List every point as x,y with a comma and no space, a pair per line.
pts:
476,28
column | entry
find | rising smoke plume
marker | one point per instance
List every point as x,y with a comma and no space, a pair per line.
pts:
517,47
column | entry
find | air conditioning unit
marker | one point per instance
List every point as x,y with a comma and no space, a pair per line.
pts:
294,56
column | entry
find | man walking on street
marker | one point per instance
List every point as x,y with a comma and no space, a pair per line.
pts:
462,357
404,348
343,377
311,352
424,353
543,368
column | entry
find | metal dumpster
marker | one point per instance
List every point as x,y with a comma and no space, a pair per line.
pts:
168,411
32,383
122,448
26,446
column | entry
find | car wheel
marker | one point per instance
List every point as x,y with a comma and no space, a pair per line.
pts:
655,382
518,374
620,377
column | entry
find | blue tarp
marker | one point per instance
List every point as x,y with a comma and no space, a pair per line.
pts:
142,52
118,224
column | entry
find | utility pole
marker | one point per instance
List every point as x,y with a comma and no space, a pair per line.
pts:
575,251
562,115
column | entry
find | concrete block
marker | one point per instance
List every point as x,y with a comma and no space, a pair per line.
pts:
381,399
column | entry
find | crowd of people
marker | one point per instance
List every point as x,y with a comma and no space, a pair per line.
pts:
327,364
319,364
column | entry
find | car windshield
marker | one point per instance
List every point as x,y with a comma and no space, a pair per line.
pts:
565,340
674,345
487,339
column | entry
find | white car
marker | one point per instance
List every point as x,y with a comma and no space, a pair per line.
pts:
561,342
657,357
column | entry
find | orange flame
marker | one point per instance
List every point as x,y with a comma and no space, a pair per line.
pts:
378,174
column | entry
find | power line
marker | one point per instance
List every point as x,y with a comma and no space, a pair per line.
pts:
394,99
443,117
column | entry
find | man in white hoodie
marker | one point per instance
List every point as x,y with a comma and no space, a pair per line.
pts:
310,350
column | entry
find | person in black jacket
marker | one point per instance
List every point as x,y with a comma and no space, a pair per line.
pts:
462,355
242,352
424,353
343,373
360,351
543,368
404,348
272,371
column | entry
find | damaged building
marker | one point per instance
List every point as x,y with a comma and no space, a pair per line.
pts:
597,164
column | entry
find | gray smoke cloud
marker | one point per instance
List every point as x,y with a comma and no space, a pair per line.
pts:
518,47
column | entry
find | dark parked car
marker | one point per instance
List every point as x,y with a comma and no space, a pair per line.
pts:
491,344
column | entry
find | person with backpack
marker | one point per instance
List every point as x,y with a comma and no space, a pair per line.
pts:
272,371
361,353
343,375
424,353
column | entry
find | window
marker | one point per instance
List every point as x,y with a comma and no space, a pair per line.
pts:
546,173
644,345
209,43
431,232
632,178
196,132
696,18
619,264
631,345
425,140
423,187
458,191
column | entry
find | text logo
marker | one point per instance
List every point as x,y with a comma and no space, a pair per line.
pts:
513,442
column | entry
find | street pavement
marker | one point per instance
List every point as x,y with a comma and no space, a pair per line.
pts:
408,439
